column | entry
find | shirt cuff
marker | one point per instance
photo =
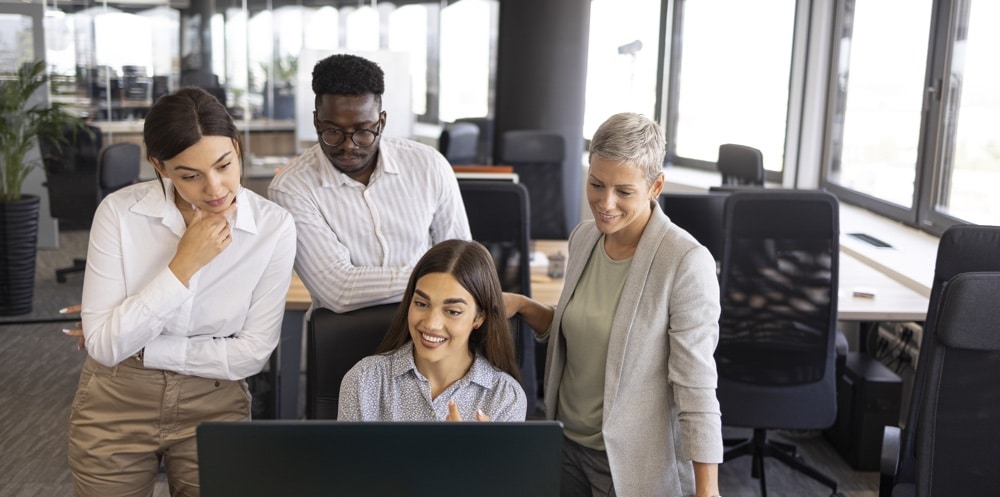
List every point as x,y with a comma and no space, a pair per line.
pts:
167,353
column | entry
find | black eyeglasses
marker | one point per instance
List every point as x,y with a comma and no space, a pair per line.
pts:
361,137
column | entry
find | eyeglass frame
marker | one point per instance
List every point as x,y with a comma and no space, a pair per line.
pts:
344,134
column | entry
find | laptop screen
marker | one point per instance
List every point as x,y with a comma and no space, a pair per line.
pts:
330,458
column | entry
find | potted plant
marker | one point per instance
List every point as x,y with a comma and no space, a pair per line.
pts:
21,125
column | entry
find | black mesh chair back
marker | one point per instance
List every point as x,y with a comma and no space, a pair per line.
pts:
777,330
537,158
459,142
740,165
70,169
700,214
962,249
335,342
118,167
498,219
958,430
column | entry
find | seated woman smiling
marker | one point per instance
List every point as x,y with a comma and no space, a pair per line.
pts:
448,354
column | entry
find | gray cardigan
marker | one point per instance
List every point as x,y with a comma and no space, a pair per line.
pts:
660,409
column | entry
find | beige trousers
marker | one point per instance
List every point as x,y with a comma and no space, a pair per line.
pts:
126,419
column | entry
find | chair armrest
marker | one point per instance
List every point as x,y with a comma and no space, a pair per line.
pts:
889,462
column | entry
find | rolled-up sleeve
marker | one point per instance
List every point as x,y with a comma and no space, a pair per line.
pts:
693,334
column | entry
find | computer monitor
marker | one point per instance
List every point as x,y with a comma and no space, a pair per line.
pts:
347,459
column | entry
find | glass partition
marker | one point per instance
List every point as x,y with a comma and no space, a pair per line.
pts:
114,59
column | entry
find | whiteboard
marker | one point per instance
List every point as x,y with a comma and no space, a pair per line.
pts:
396,101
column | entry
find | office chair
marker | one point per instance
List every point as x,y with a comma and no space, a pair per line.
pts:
537,158
69,176
740,165
458,142
335,342
117,167
498,218
484,145
962,249
700,214
957,431
776,351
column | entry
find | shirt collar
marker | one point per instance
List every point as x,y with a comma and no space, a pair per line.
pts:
157,205
331,176
481,372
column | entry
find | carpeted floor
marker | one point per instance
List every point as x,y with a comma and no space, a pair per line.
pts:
39,369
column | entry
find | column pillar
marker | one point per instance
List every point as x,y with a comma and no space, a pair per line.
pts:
541,78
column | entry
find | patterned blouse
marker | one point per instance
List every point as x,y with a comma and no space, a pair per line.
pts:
388,387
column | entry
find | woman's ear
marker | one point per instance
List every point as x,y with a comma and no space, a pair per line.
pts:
657,187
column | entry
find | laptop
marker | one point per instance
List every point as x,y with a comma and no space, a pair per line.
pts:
279,458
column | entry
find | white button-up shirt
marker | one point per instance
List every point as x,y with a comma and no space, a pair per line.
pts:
224,324
357,243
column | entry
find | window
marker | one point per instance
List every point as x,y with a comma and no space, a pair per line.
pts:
622,59
16,45
729,82
965,185
912,124
408,33
878,97
466,56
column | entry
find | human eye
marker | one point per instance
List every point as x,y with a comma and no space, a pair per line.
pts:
595,185
225,166
419,303
189,177
625,193
454,312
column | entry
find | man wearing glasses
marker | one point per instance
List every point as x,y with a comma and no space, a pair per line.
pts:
366,206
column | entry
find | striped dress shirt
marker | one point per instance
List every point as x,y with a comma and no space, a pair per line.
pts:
357,244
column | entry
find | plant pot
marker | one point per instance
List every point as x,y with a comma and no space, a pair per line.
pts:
18,245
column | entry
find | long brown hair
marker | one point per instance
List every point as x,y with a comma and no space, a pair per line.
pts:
472,266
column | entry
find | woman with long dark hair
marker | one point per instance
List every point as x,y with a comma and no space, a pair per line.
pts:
448,353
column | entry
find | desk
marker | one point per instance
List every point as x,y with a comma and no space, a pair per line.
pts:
502,173
892,301
543,288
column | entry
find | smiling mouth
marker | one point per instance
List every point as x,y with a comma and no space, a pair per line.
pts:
432,339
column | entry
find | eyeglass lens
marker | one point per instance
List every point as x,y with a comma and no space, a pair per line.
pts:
361,137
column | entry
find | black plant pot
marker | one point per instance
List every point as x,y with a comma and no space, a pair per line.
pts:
18,242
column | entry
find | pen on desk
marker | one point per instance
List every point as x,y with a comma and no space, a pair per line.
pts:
864,292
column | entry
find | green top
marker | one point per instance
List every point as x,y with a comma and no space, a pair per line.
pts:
586,328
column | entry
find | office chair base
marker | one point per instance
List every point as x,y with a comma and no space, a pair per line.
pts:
759,447
79,265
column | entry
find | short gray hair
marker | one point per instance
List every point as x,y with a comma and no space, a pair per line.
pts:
633,139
